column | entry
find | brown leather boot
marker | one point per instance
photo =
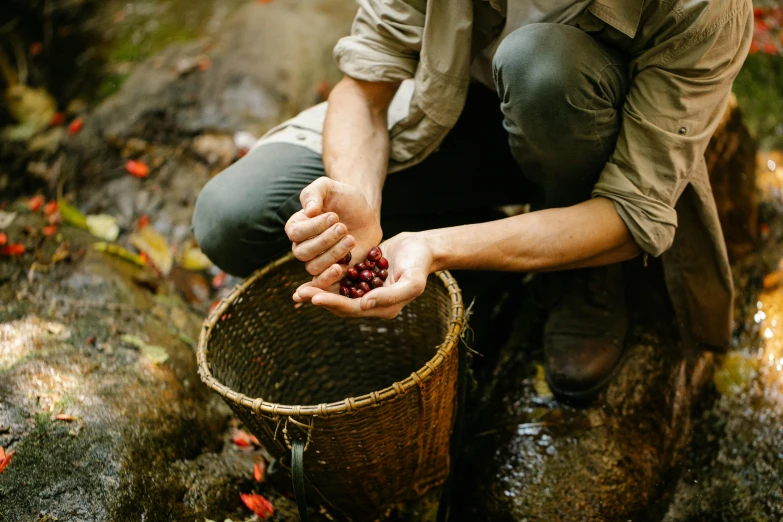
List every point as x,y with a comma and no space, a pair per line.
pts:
584,335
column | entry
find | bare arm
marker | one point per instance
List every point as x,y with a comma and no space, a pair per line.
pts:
588,234
356,141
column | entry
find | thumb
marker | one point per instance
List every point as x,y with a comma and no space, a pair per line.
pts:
313,196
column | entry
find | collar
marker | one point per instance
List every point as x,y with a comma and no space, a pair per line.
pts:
623,15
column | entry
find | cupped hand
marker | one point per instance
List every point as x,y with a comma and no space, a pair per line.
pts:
410,262
320,231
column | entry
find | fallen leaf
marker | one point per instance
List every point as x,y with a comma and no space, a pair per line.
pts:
62,253
5,458
149,241
258,471
49,230
241,439
64,417
6,218
103,226
194,287
773,280
118,251
58,118
14,249
3,239
35,203
539,383
75,126
50,208
156,354
137,168
71,214
192,258
258,504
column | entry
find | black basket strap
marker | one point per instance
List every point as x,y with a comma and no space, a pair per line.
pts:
297,473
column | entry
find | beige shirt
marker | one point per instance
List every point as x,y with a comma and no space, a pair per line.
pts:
684,54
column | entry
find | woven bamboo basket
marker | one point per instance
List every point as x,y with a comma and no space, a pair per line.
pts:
374,400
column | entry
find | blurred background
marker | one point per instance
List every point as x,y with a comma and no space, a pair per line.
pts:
114,115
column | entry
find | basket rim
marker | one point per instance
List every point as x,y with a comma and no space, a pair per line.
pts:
350,404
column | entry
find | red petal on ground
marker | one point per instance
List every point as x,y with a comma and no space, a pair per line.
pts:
241,439
258,471
3,241
214,305
2,453
754,47
143,221
219,279
137,168
58,118
758,11
770,48
6,460
14,249
49,230
54,219
50,208
254,440
144,257
35,203
75,126
761,25
264,1
258,504
36,48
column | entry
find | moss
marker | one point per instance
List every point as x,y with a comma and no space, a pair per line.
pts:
758,92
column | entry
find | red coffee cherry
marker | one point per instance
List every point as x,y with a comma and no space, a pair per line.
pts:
382,263
361,267
353,291
345,260
345,291
366,275
364,287
353,273
376,282
369,264
383,274
359,293
374,254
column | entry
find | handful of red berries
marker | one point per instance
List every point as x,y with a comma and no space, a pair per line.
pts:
364,276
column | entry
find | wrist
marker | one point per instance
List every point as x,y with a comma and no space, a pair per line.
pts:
438,244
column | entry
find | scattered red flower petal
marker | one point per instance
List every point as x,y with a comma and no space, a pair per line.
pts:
258,504
35,203
241,439
14,249
64,417
75,126
5,460
144,257
770,48
50,208
214,305
204,63
3,239
143,221
58,118
49,230
36,48
255,440
258,471
758,11
218,280
137,168
264,1
754,47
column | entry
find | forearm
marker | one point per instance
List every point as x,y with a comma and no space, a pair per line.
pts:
587,234
356,140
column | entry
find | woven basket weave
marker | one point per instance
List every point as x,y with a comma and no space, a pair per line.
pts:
374,399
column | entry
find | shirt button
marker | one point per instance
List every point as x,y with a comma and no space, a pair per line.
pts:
681,131
301,136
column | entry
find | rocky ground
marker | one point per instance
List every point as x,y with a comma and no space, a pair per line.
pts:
99,399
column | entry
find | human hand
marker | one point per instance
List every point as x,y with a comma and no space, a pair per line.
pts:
319,232
410,262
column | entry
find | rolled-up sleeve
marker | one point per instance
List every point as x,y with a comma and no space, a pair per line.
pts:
679,90
385,40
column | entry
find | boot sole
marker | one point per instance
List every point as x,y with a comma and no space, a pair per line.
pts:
584,396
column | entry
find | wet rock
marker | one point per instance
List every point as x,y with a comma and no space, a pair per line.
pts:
147,440
530,457
217,150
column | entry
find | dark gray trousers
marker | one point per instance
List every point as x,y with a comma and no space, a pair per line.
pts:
560,96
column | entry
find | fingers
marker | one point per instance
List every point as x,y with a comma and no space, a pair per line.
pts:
400,293
326,280
313,195
331,256
300,228
310,249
